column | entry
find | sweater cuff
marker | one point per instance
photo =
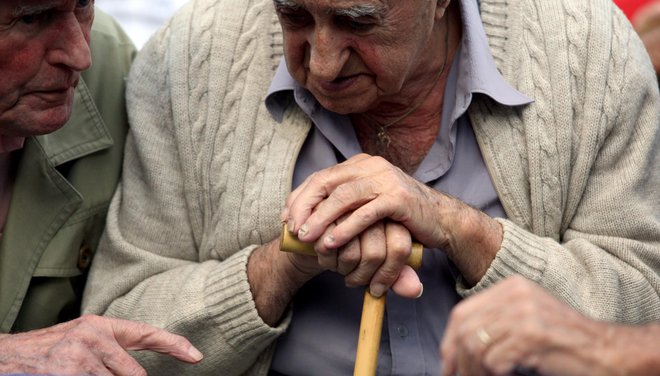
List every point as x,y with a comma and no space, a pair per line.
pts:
231,305
521,253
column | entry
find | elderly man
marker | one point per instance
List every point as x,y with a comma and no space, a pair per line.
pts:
56,185
508,137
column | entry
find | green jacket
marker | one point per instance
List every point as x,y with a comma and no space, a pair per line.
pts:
64,183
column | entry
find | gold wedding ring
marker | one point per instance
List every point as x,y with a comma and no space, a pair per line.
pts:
484,337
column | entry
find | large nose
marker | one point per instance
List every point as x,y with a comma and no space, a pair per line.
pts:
327,53
70,46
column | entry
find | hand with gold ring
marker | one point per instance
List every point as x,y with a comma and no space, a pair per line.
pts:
484,337
517,328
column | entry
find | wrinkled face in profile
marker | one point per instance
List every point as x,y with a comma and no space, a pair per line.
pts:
44,45
355,54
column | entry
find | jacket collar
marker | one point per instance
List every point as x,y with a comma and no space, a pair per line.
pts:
43,199
85,133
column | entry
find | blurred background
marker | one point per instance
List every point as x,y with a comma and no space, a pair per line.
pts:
630,7
140,18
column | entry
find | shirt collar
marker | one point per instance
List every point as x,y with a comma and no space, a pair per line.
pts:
478,73
477,70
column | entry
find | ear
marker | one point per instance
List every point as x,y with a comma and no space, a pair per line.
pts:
441,9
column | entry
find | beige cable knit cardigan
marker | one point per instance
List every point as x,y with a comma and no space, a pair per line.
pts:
207,170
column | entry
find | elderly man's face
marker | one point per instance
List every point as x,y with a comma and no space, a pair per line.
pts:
44,45
355,54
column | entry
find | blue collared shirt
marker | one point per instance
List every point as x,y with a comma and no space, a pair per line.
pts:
322,338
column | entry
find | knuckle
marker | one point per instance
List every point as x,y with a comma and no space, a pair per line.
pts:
528,309
349,258
379,161
399,252
144,330
529,330
359,277
387,275
327,262
371,258
368,216
318,178
85,321
355,279
343,193
91,319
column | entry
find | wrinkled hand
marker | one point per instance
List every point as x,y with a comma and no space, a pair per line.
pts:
89,345
376,256
362,214
517,323
647,25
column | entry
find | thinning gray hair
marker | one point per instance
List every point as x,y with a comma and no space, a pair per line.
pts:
356,11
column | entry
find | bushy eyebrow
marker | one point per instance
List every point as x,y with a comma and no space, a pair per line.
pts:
355,11
286,4
359,11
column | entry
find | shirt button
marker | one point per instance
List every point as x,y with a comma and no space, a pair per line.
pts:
85,256
402,330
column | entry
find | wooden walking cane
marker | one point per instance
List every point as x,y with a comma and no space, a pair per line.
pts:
373,308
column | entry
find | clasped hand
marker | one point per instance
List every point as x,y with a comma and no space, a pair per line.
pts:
362,215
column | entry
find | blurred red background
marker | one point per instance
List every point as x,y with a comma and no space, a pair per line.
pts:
629,7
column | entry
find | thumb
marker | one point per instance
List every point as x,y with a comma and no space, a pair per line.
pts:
140,336
408,284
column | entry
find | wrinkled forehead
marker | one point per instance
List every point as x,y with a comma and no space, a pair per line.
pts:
337,6
352,8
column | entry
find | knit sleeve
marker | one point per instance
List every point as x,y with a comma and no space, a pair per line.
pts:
148,266
589,229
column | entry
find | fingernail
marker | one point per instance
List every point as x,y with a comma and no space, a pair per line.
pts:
304,229
284,216
421,291
329,241
195,354
290,225
377,290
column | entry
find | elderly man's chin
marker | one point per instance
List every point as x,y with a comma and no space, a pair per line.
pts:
53,119
38,115
346,105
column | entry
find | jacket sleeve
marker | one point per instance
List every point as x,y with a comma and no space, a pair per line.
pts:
596,242
148,266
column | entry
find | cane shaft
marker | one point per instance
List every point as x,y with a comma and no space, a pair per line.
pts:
371,326
373,309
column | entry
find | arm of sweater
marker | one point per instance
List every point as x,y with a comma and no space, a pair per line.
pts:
153,264
596,243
